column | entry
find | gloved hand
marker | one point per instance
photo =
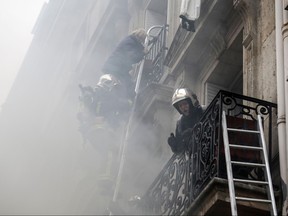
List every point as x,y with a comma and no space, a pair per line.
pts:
172,141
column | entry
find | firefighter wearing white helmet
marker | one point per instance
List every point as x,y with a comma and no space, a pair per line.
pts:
108,82
102,116
106,102
187,104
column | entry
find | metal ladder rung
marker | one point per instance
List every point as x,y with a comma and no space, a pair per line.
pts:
242,130
248,164
231,181
245,147
251,181
252,199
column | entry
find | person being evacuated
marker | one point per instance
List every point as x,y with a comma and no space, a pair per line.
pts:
128,52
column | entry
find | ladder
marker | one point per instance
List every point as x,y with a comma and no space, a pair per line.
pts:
262,148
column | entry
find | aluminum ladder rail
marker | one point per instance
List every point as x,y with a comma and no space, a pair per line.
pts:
231,179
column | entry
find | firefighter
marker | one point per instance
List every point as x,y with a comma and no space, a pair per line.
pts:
105,104
111,101
102,117
187,104
128,52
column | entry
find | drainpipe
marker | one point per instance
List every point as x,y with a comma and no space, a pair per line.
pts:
285,47
281,120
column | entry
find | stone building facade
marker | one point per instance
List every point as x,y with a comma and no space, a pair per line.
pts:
233,48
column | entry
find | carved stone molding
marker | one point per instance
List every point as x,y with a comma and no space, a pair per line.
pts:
247,11
218,43
216,46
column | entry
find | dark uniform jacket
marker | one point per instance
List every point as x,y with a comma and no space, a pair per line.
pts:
184,129
104,103
128,52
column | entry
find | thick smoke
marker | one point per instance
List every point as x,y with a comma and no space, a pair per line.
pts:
47,167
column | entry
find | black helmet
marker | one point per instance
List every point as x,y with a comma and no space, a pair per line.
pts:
184,94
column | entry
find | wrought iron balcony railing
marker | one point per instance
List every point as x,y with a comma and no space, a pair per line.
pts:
186,174
154,60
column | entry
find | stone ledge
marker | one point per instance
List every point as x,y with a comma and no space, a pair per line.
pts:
153,93
214,200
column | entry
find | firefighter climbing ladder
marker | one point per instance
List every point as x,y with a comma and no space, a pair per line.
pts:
264,164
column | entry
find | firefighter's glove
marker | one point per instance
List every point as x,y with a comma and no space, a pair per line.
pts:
172,141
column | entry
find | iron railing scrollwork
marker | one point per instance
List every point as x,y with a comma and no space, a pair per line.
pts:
186,174
155,57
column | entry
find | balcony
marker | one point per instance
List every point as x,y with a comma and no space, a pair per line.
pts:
195,181
154,60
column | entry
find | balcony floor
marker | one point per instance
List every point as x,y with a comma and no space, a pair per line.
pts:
214,200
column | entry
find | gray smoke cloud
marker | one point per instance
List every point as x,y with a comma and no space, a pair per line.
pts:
46,168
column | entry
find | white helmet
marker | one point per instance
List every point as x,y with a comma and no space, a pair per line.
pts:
184,94
108,82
